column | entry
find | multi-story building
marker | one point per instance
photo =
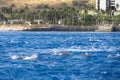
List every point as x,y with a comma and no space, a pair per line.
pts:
112,4
102,4
117,4
108,4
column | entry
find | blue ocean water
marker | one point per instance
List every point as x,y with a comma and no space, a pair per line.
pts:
38,56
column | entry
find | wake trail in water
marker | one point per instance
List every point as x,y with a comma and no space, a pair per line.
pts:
85,49
23,57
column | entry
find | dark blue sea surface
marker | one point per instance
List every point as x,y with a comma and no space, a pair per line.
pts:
59,56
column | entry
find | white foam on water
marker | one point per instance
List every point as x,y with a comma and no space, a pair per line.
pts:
77,49
55,53
88,49
26,42
14,57
23,56
12,41
111,49
117,55
32,57
109,55
59,52
113,56
94,49
104,72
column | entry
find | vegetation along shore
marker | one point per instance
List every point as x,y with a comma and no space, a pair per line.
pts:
77,16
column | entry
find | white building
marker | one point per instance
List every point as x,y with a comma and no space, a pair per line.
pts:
108,4
102,4
117,4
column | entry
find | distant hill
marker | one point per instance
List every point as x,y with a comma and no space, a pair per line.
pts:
37,2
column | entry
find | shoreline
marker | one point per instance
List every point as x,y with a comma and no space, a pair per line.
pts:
13,27
23,27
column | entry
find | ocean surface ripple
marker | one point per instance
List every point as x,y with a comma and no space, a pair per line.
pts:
59,56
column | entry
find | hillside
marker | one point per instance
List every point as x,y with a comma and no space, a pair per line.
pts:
92,2
36,2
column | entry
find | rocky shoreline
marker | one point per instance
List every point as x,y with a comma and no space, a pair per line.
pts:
105,28
62,28
16,27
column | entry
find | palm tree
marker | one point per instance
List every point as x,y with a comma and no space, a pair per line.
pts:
26,9
11,10
21,13
39,14
84,15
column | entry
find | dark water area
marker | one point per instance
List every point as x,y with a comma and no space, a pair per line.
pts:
59,56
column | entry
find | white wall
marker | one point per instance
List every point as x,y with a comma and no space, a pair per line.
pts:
102,4
117,2
97,4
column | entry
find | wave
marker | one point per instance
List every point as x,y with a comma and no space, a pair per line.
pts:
84,49
94,40
112,48
114,56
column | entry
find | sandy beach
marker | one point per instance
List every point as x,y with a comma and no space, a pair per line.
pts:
12,27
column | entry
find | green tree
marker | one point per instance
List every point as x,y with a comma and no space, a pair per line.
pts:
90,20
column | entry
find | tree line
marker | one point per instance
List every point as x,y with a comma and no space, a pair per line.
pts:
76,14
